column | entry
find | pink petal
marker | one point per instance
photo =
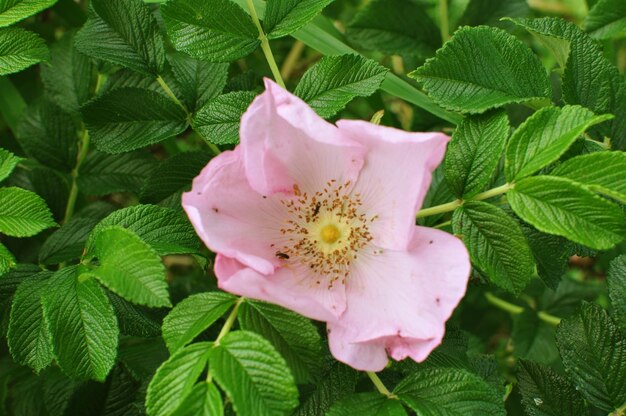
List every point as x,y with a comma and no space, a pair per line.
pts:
400,301
232,218
292,289
285,144
395,178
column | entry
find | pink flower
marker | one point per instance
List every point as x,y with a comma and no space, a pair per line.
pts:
320,219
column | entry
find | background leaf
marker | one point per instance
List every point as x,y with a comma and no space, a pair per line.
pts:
12,11
282,17
83,326
546,393
594,356
335,80
544,137
559,206
223,33
603,172
474,152
606,19
496,244
482,68
175,378
390,26
218,121
29,338
20,49
192,316
293,336
102,174
254,375
616,279
167,231
23,213
446,392
123,32
128,118
199,81
129,267
367,404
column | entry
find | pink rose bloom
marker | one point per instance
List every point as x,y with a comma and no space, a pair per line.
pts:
320,219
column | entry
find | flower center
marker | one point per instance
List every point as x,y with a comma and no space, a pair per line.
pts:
330,233
324,231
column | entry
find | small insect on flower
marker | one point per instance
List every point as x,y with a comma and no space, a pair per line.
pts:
338,202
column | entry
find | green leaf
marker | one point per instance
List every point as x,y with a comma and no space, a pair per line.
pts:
544,137
173,176
67,243
123,32
135,320
335,80
167,231
489,12
606,19
29,338
102,174
175,378
594,356
533,338
12,11
23,213
293,336
8,162
449,392
390,26
602,172
562,207
199,81
68,76
218,121
192,316
11,280
211,30
203,400
7,261
546,393
48,134
83,325
20,49
254,375
129,267
616,280
126,119
551,254
367,404
590,79
474,152
482,68
496,244
283,17
337,382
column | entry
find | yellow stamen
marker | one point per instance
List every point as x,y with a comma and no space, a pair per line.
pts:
330,233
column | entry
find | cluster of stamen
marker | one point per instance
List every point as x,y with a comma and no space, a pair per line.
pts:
324,231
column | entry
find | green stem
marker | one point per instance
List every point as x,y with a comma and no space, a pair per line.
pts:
169,92
229,322
380,386
216,150
265,45
443,20
516,309
451,206
503,304
82,153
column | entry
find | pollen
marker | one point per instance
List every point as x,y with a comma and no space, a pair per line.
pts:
324,232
